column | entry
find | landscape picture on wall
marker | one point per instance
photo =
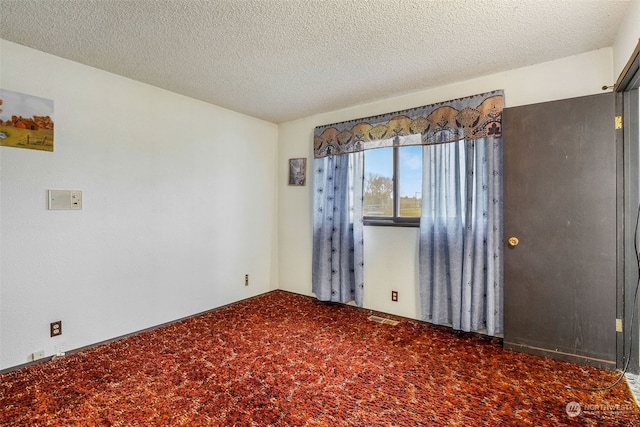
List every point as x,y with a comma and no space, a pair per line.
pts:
26,121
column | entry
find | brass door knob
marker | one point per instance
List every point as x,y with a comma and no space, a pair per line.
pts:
513,241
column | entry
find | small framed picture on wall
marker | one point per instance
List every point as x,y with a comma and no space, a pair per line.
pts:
297,171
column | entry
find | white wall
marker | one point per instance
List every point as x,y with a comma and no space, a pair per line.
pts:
180,202
626,39
391,253
182,198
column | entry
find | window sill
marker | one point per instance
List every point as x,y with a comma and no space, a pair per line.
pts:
391,222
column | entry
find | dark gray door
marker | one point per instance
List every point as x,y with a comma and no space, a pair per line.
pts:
560,203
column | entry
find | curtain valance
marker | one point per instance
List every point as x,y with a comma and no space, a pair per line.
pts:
473,117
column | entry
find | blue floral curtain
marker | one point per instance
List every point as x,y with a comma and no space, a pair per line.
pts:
460,251
338,251
461,235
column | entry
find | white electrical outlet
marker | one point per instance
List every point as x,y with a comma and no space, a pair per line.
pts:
37,355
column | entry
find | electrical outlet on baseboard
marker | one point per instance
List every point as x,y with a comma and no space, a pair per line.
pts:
37,355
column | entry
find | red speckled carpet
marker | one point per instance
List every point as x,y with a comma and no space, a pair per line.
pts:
282,359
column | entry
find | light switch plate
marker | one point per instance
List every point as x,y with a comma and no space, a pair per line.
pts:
65,200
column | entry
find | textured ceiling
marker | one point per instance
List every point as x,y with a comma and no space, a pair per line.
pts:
281,60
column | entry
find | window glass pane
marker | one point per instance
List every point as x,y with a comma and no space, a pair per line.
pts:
378,182
410,180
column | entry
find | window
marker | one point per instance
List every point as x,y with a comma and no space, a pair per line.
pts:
393,186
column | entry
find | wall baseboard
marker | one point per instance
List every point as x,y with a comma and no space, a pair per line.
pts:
561,355
97,344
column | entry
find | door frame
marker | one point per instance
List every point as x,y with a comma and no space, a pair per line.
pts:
628,214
